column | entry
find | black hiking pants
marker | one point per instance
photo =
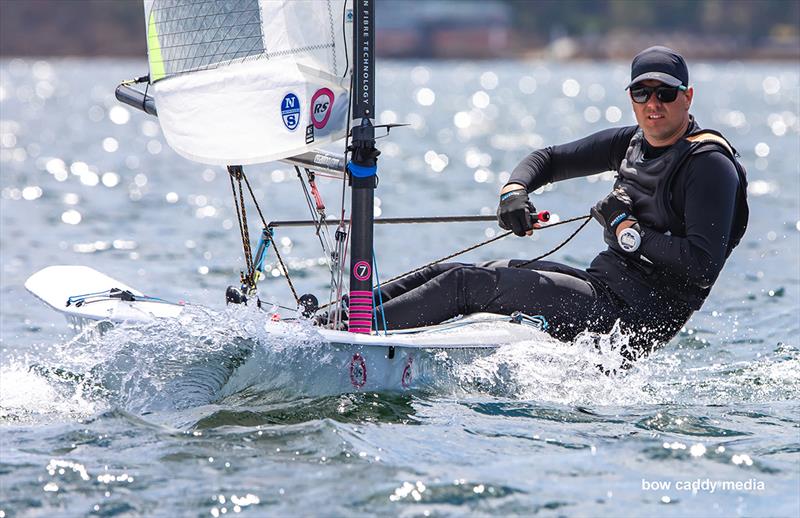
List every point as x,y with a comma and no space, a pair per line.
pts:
571,300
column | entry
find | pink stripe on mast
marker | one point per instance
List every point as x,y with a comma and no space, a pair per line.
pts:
361,306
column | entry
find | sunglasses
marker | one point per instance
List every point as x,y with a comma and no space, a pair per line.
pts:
666,94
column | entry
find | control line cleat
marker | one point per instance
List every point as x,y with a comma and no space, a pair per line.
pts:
327,317
537,321
326,320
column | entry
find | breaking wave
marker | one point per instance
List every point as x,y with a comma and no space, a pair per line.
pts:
204,359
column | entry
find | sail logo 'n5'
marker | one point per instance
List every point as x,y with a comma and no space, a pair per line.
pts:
290,110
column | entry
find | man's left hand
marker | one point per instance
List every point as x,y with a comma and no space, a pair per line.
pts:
615,211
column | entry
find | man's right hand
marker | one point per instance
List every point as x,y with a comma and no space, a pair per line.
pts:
515,211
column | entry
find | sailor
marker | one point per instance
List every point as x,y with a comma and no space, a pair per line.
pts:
677,210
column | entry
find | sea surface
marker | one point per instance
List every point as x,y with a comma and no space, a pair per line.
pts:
140,421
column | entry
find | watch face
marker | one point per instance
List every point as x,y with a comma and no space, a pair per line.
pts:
629,240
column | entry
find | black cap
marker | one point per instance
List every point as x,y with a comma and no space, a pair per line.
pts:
661,64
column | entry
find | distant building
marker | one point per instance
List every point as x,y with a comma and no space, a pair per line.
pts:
443,29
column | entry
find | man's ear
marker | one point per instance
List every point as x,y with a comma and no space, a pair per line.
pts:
689,93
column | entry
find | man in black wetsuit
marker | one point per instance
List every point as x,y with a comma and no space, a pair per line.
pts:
677,210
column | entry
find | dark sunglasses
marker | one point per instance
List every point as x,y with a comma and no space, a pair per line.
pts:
666,94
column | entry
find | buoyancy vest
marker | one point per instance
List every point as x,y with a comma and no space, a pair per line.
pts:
649,183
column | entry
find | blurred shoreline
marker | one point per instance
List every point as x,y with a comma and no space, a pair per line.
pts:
564,30
615,48
623,46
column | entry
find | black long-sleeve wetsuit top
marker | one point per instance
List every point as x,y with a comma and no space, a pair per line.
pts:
704,193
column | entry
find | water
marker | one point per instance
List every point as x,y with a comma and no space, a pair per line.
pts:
163,419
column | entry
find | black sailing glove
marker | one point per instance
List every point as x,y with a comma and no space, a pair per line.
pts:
515,211
613,210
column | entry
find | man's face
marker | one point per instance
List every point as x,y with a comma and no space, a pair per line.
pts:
663,123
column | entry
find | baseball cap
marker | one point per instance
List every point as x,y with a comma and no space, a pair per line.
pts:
661,64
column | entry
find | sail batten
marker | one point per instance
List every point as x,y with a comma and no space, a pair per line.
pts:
249,81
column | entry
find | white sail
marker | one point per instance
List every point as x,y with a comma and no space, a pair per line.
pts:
249,81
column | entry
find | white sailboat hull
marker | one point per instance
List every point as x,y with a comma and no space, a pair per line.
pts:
340,362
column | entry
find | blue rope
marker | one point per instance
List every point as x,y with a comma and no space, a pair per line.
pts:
147,298
380,296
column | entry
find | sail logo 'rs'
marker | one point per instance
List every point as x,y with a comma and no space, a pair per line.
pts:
290,111
321,107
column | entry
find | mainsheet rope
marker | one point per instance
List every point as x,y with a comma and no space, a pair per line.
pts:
241,216
497,238
587,218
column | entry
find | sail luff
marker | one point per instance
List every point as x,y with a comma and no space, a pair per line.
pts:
155,59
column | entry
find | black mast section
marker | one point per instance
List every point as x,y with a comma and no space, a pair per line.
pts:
362,169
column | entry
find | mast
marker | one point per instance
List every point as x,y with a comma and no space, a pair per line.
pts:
363,169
